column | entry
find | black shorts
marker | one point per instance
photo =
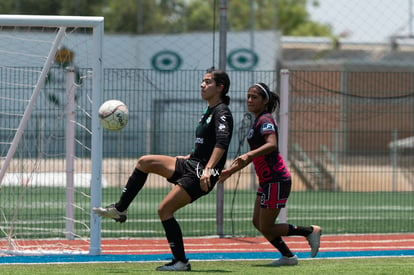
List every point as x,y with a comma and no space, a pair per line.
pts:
274,195
187,175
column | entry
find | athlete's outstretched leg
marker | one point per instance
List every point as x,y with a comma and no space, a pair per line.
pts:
158,164
134,184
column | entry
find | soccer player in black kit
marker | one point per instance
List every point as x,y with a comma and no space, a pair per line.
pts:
193,176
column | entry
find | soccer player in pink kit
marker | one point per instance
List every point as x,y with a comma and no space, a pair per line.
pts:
274,177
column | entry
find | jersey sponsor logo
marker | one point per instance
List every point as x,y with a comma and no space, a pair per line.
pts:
221,127
199,140
268,127
223,118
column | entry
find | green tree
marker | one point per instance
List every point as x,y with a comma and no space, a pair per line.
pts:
200,16
81,7
178,16
30,7
293,19
6,7
145,16
290,17
52,7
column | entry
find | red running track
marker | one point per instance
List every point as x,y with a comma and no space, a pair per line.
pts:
297,244
223,245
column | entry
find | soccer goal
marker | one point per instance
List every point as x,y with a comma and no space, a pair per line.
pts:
50,136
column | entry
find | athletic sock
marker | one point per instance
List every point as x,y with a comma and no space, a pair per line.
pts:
299,230
134,184
280,245
175,239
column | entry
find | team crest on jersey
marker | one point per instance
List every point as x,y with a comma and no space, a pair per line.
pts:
250,134
208,120
221,127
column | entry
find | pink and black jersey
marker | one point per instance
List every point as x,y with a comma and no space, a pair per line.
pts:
271,167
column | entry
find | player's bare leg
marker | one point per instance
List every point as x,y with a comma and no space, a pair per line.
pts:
157,164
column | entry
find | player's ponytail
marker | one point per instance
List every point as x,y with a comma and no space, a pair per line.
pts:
274,99
274,102
226,99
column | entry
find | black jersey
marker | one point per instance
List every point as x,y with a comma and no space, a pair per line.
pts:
214,129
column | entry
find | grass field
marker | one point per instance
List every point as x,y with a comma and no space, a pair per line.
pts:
394,266
41,213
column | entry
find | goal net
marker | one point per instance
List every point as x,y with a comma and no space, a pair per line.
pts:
50,137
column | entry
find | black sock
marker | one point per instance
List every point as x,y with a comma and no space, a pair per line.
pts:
299,230
175,239
134,184
282,247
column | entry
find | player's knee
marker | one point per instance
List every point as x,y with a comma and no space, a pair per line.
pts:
164,213
265,230
143,163
159,211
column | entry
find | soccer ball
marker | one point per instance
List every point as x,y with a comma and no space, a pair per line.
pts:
113,115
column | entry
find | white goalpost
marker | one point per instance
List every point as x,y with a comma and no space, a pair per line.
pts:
284,124
51,82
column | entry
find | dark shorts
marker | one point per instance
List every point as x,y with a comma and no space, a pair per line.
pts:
187,175
274,195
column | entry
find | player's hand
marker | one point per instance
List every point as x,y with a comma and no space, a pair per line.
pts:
241,161
205,182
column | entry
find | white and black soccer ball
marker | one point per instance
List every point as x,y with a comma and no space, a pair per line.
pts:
113,115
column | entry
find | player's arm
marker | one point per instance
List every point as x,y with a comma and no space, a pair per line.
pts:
269,146
223,129
243,160
215,157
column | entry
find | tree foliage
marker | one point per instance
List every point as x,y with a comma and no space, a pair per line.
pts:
290,17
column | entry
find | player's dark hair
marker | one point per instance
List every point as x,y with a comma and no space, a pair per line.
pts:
274,100
221,77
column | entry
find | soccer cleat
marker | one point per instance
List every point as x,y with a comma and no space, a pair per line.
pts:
314,240
285,261
175,265
111,212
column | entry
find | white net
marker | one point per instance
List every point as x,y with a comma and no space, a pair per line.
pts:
45,138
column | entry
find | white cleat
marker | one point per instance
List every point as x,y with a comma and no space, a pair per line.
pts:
314,240
283,261
175,265
111,212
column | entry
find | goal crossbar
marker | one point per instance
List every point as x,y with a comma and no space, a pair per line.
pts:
51,21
